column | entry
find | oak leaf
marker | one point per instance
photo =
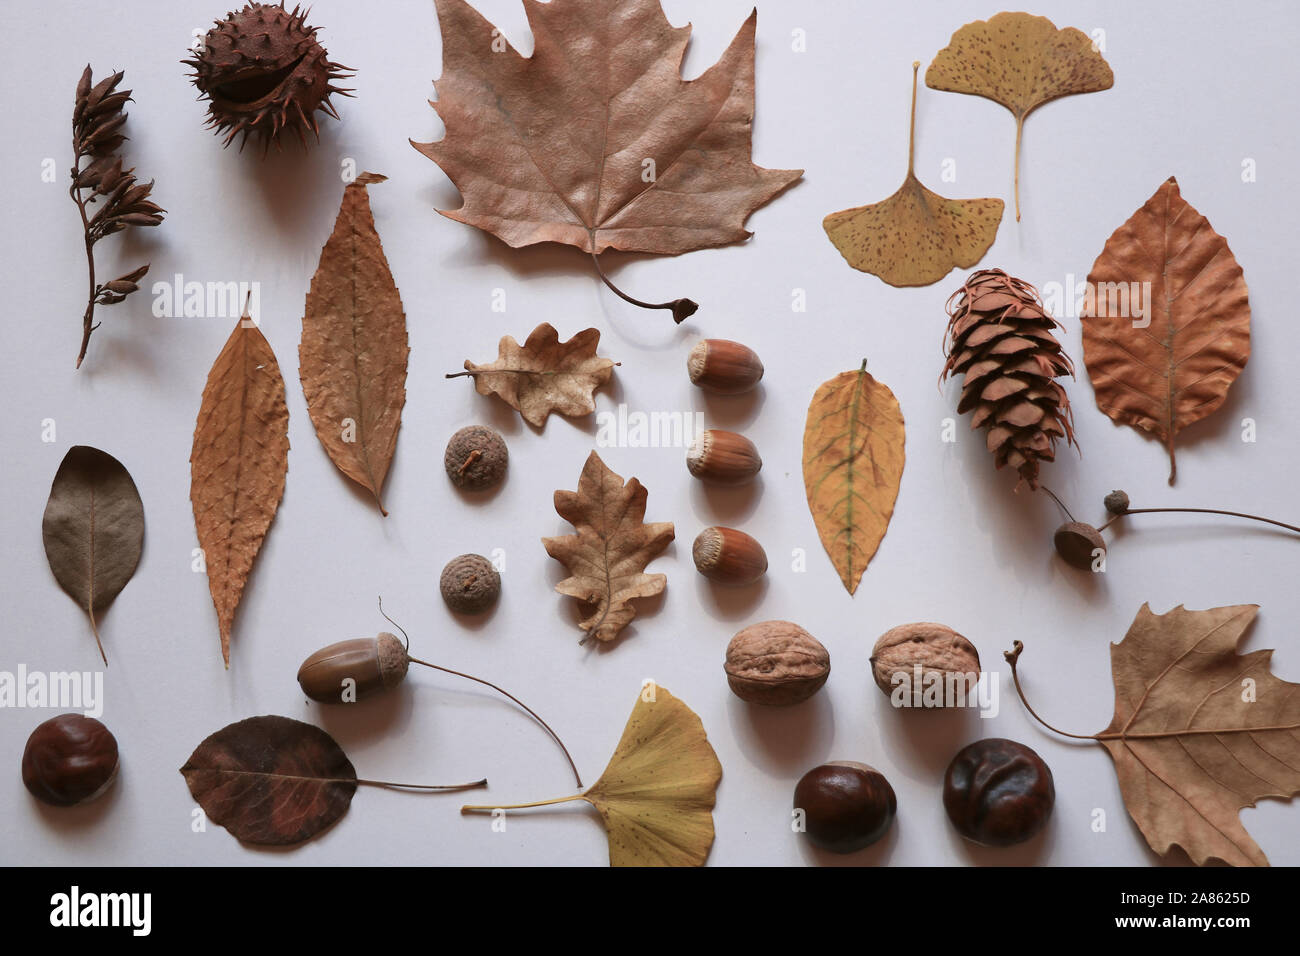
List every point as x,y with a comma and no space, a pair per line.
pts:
915,237
853,453
1021,61
657,793
544,375
607,557
1199,731
352,358
1166,320
238,464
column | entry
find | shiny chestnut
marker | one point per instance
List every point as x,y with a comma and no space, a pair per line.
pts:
847,805
69,759
998,792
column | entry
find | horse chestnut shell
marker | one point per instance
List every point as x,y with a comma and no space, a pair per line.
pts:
847,805
998,792
69,759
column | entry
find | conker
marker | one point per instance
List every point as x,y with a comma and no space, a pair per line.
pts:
847,805
69,759
998,792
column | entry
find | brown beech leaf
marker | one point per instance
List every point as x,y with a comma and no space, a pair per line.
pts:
852,466
595,140
352,359
656,796
1021,61
93,530
915,237
1199,731
607,557
1166,320
238,464
544,375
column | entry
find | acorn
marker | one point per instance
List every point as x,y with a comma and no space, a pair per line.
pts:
723,458
1078,543
264,72
727,556
723,366
372,665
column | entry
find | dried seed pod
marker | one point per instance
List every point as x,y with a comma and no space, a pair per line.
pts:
264,72
934,648
776,663
723,458
728,556
1117,502
469,584
69,759
476,458
723,366
1079,544
354,670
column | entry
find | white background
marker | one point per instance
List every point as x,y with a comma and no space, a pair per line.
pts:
1198,89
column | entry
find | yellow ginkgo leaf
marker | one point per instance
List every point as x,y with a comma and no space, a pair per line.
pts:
656,795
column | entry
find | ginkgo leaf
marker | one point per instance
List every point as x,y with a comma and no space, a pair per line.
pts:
1021,61
852,465
607,557
915,237
352,358
657,793
544,375
1166,320
1199,731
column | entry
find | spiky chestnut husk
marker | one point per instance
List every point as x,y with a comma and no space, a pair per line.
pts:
264,72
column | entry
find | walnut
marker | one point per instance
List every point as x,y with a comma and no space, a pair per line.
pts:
776,663
932,647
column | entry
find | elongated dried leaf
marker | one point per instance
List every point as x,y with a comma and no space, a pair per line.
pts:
595,140
271,780
1021,61
915,237
657,793
238,464
93,530
607,557
544,375
1166,323
352,359
852,466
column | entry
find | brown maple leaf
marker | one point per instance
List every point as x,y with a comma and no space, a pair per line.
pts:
1199,731
607,557
544,375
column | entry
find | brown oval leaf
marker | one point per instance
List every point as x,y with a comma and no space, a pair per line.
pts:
93,529
352,359
238,464
271,780
1172,364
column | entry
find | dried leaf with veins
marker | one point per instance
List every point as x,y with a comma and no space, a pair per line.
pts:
1021,61
656,796
93,530
238,464
607,557
1199,731
352,359
853,453
544,375
275,781
595,140
1172,364
915,237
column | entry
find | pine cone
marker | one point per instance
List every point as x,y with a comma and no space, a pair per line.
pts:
1001,339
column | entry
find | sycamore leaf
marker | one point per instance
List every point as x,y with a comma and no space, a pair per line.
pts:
1199,731
352,358
544,375
915,237
852,466
607,557
656,796
1021,61
1166,321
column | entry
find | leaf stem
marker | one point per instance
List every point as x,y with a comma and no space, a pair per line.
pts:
423,786
486,808
1202,511
682,309
1020,127
1060,504
911,130
1012,656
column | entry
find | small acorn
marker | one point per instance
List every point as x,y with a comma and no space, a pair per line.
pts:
723,458
1077,543
371,665
727,556
724,367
